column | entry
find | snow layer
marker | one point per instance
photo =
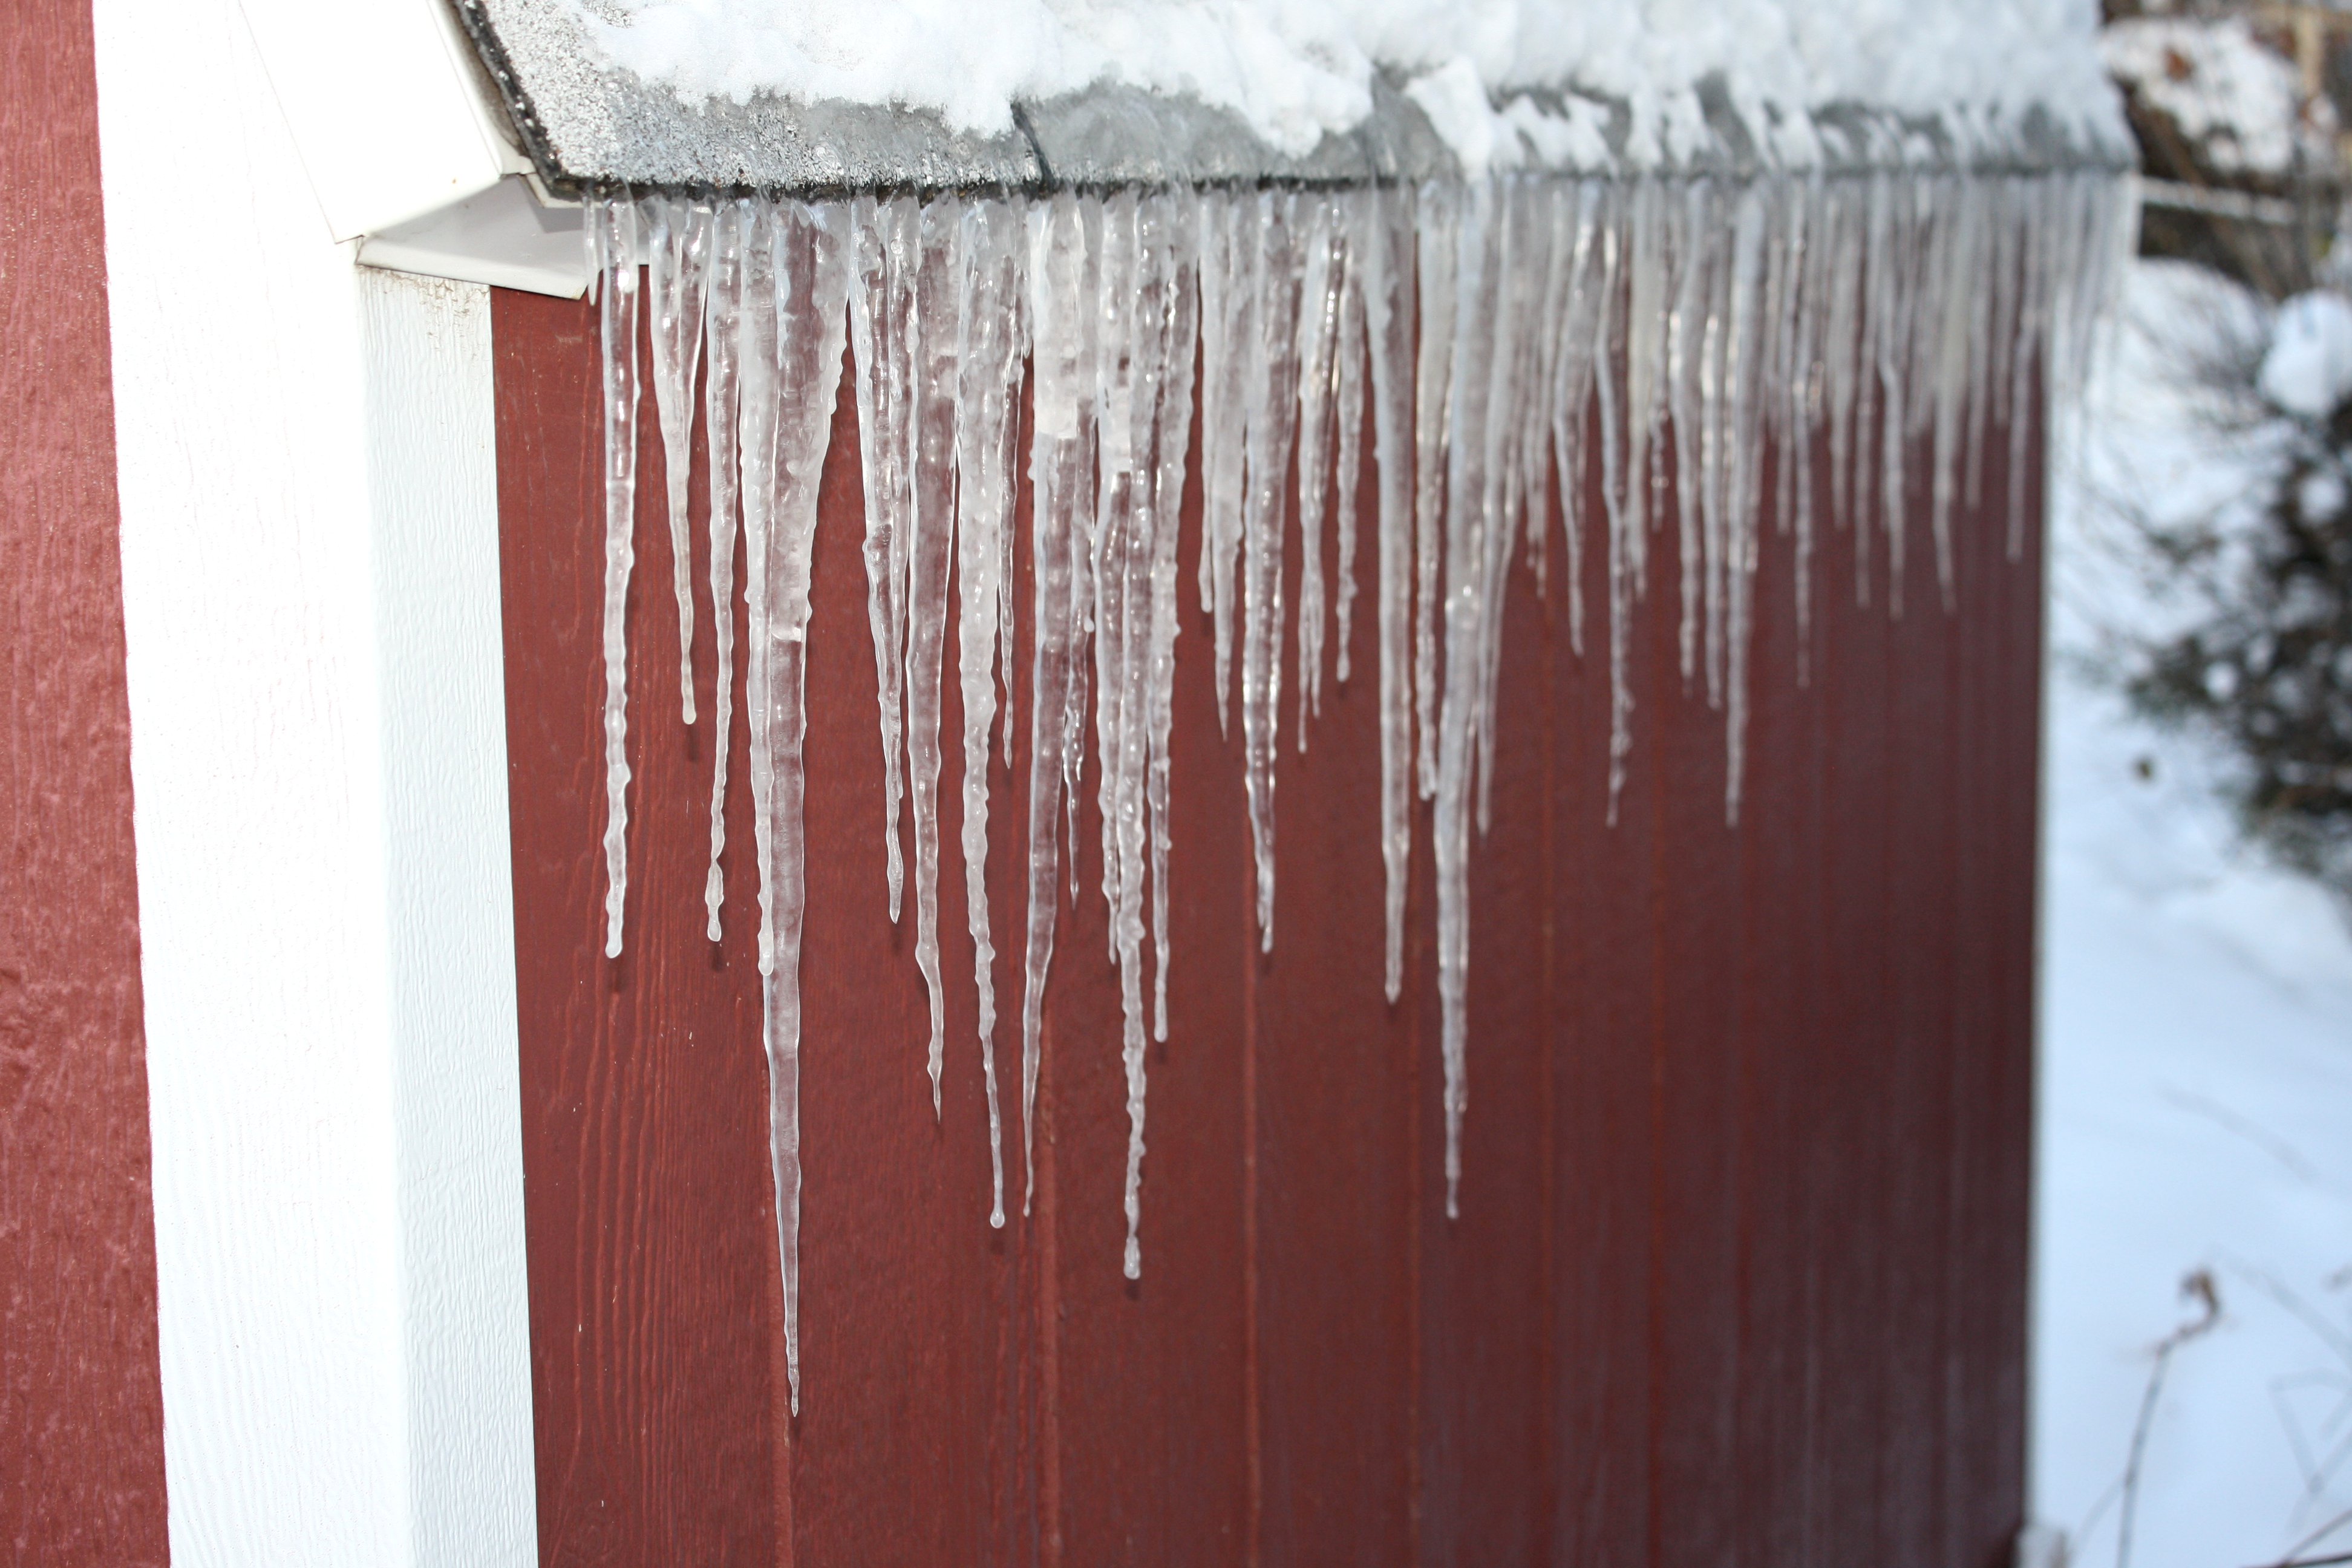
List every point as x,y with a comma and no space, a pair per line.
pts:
1297,69
2196,1050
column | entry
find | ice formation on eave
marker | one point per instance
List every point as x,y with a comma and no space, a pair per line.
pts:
1299,70
1500,341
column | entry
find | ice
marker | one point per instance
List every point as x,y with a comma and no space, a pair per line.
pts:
881,309
1180,218
677,254
988,369
933,348
1083,522
1384,238
1348,406
1230,267
1057,472
1271,432
1324,276
723,308
614,256
1436,224
1468,525
1699,333
812,281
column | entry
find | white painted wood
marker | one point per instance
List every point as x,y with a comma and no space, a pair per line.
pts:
312,618
392,113
504,235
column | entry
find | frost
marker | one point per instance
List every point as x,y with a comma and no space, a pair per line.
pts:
1670,360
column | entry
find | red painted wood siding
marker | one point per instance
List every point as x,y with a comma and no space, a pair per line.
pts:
82,1418
1741,1268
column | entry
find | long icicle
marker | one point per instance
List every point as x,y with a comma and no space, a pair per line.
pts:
988,367
931,345
613,234
811,280
1385,240
1056,472
879,308
677,254
1273,428
721,399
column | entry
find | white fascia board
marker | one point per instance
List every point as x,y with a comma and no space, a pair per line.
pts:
387,103
504,235
306,466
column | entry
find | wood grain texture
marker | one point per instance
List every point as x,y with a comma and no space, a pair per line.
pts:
82,1421
1740,1269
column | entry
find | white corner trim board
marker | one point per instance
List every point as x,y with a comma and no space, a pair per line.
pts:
411,132
412,156
310,590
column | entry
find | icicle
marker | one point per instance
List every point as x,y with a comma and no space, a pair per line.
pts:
1712,326
1890,266
880,306
1552,221
1959,303
1715,468
988,369
1805,396
1485,345
1271,433
810,284
1231,267
1649,284
1057,472
1142,265
612,236
1743,382
734,225
1348,406
1319,333
931,346
1179,217
1841,358
1119,328
1609,350
1438,221
1692,326
1466,610
1384,239
1084,524
678,253
1572,376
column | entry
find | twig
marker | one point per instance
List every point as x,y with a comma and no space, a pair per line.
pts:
2199,1286
2313,1539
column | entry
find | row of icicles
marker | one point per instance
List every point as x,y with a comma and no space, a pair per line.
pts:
1903,315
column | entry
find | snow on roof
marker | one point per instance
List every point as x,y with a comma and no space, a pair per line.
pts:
948,93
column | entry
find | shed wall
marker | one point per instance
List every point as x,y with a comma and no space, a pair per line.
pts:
1741,1265
82,1418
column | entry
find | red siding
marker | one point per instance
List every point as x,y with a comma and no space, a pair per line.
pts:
82,1421
1741,1265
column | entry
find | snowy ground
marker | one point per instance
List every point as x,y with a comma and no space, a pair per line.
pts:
2197,1062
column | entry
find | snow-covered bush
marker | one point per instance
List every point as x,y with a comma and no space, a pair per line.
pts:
2268,660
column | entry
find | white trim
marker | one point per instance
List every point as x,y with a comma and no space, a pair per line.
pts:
389,108
311,593
504,235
